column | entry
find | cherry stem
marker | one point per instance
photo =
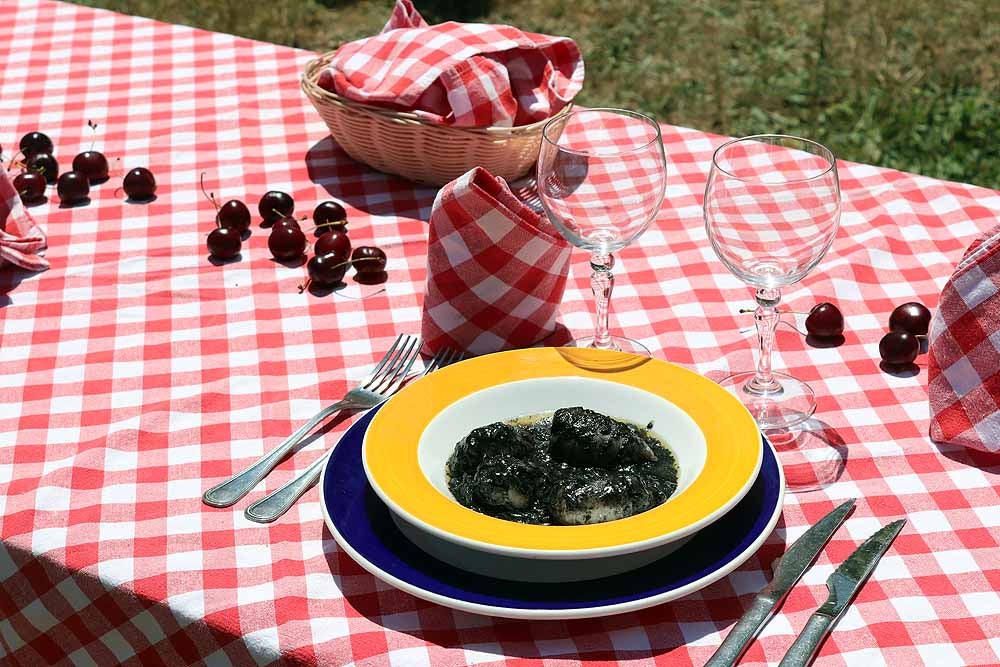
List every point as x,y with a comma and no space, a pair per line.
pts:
211,197
331,223
792,327
304,286
13,158
93,139
745,311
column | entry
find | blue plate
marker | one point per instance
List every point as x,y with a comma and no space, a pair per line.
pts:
361,524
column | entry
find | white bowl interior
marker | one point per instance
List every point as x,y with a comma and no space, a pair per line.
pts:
527,397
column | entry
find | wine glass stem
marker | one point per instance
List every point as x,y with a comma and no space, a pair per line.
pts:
602,281
766,317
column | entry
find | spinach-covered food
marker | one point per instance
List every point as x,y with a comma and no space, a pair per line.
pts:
571,467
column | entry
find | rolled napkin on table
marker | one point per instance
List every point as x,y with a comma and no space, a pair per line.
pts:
964,351
496,270
464,74
21,240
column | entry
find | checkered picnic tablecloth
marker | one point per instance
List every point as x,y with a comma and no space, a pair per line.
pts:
134,374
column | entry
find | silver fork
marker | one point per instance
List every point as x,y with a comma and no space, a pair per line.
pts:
380,384
276,503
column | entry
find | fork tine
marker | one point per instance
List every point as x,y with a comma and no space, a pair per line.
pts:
449,358
401,371
391,361
399,359
385,358
436,361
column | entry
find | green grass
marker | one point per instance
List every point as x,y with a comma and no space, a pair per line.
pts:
908,84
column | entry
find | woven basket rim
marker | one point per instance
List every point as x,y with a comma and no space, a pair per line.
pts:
312,89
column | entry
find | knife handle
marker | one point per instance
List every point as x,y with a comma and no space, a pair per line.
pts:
806,645
742,634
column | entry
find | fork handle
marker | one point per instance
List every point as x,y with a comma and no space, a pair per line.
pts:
276,503
231,490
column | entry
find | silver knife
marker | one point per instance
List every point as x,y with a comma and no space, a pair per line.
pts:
843,584
787,571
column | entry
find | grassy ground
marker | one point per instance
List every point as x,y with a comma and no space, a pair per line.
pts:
909,84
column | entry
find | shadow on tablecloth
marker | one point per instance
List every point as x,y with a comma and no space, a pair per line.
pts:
364,188
10,278
988,463
813,455
642,634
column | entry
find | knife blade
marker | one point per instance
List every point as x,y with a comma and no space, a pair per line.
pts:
788,570
843,585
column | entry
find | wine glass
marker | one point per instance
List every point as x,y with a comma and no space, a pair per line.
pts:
601,179
772,207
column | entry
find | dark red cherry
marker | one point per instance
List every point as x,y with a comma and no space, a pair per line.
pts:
234,214
910,317
275,205
286,242
288,221
329,215
31,186
93,165
73,188
45,165
224,242
825,321
34,143
368,260
327,269
334,242
139,184
898,348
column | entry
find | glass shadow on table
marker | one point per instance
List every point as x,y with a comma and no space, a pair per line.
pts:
813,455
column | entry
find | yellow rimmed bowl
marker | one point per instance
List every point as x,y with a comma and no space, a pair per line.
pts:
714,439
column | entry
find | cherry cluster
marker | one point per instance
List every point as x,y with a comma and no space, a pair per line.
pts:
332,252
40,168
908,325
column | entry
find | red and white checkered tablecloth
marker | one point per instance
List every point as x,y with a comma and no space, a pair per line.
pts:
134,374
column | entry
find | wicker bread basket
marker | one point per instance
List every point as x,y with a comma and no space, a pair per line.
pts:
401,143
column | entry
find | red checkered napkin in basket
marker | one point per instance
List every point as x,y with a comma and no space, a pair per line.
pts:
468,74
496,270
21,240
964,347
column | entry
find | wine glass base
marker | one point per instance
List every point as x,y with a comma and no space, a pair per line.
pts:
791,402
618,344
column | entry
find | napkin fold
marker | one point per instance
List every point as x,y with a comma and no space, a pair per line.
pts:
964,351
21,239
467,74
496,269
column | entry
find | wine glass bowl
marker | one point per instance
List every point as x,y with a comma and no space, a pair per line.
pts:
601,179
772,209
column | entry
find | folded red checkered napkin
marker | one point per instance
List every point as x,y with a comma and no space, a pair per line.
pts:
964,351
469,74
496,270
21,240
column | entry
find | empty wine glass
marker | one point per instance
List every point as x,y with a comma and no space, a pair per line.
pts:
601,178
772,207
